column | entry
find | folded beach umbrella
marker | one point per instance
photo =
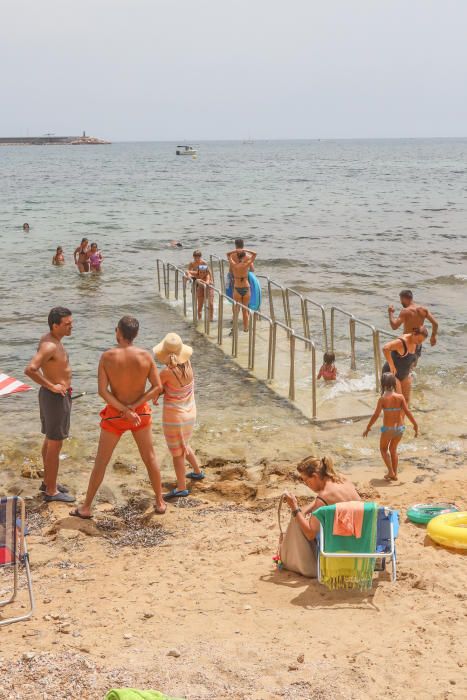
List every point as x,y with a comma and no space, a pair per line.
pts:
10,385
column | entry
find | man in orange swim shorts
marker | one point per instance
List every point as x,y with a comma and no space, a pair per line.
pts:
123,374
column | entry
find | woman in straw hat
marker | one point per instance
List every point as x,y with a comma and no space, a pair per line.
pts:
179,412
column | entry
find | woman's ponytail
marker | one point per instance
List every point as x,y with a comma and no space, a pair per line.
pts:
327,470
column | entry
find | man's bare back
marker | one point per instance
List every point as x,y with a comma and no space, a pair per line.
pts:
413,317
127,370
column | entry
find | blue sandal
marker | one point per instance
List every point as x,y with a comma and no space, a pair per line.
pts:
195,476
175,494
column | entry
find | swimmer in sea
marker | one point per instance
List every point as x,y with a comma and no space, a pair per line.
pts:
241,286
95,258
401,357
198,269
328,370
26,227
81,256
412,316
394,406
58,258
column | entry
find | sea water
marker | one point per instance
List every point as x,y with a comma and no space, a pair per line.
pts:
349,223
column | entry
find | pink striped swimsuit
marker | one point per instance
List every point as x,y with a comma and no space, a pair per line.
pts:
178,415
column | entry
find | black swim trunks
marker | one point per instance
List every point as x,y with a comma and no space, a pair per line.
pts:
55,412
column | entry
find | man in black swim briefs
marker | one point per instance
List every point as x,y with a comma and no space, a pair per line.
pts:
50,368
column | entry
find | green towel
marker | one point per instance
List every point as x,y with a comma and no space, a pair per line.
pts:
133,694
348,572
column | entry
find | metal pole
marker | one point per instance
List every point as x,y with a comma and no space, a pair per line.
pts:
273,354
270,350
251,363
220,318
184,282
292,366
194,300
176,283
207,314
158,275
271,302
235,330
313,380
332,328
353,364
377,359
252,346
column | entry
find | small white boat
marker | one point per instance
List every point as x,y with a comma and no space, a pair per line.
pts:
186,151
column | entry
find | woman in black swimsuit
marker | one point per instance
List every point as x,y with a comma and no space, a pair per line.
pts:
401,357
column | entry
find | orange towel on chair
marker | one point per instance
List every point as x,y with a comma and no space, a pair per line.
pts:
348,519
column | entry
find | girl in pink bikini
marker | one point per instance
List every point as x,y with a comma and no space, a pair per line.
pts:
328,369
95,258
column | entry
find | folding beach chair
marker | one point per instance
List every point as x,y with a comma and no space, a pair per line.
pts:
13,551
387,529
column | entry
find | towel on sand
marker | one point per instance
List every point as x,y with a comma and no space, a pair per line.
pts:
348,572
348,519
133,694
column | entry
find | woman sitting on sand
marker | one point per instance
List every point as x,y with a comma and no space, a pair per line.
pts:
330,487
179,412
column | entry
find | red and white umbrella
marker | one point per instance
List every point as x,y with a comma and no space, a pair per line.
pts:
10,385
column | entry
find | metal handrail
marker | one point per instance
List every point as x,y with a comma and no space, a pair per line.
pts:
323,320
309,342
272,283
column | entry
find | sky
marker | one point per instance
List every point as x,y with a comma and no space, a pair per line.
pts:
153,70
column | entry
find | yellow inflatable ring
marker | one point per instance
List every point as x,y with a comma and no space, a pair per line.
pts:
449,529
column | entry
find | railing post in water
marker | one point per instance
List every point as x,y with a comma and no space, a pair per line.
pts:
332,327
270,351
220,318
164,273
235,330
207,311
184,282
177,272
353,363
158,275
292,366
377,359
251,343
313,380
194,301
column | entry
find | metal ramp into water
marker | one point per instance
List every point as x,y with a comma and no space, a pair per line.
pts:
284,348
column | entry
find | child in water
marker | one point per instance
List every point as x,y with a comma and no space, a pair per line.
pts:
328,369
394,406
58,258
95,258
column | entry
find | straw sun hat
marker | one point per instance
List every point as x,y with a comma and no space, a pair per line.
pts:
172,345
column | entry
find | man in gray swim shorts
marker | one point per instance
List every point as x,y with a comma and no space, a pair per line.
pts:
50,368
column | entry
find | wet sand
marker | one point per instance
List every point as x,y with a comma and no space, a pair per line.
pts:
190,604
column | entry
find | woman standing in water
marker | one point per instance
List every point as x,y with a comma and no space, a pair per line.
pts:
81,256
179,412
241,287
401,357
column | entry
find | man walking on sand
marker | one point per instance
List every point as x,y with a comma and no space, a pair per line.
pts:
413,316
50,368
122,377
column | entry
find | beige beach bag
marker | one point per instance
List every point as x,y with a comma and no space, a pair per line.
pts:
296,552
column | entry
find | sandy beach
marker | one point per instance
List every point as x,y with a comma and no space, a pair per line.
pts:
190,603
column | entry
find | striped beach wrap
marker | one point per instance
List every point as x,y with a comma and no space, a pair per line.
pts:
178,415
